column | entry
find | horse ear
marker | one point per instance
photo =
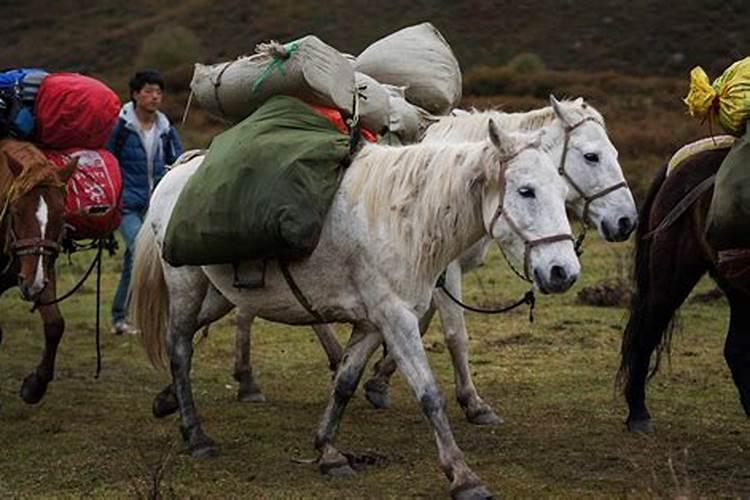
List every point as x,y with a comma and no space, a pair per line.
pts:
68,170
15,167
500,139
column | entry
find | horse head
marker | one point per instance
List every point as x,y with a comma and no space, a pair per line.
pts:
35,219
525,212
587,160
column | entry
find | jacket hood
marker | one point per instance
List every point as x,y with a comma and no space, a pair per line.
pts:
127,113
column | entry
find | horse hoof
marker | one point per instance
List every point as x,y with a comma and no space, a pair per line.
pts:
251,397
33,389
641,426
165,403
336,469
486,417
204,451
473,493
377,394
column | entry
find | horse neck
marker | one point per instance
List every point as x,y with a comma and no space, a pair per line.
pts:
474,126
424,199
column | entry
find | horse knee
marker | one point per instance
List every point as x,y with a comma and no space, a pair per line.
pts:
346,385
432,402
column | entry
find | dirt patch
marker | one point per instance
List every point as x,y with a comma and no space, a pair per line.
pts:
606,293
707,297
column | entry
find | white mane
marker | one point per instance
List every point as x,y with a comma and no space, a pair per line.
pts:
425,193
473,126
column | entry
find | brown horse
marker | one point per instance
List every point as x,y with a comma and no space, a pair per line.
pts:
668,264
32,202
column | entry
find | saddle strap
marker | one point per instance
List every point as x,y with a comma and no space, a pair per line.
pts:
682,207
284,266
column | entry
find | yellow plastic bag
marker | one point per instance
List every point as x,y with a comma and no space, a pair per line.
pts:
728,98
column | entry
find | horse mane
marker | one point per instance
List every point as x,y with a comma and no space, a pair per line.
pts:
473,127
37,171
423,193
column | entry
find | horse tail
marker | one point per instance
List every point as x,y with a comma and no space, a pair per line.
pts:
639,303
149,296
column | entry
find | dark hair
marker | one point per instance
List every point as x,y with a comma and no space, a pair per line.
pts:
143,78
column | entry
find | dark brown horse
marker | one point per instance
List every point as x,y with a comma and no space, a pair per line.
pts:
668,264
32,202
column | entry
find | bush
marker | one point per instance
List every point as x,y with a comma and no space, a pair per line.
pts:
526,63
170,47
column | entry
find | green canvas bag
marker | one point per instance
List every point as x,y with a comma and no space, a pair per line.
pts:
263,190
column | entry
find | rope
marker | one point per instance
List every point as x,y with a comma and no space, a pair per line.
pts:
77,285
98,309
528,298
279,60
187,109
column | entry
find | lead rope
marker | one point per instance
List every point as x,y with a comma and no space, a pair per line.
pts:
96,263
528,298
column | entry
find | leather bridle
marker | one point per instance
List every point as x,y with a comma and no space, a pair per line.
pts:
528,243
587,199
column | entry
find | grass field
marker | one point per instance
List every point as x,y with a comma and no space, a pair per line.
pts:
551,380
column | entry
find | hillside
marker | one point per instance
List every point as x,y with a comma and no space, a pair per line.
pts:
640,36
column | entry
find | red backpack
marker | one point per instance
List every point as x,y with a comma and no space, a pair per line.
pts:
92,205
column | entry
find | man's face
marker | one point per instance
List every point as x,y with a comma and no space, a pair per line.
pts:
148,98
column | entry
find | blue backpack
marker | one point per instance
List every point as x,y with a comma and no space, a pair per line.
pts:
18,91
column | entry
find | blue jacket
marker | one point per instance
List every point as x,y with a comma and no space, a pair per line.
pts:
138,176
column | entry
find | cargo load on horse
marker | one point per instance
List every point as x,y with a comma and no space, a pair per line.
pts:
74,111
419,59
92,204
263,190
307,68
727,101
18,91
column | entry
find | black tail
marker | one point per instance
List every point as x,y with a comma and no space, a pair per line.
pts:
639,303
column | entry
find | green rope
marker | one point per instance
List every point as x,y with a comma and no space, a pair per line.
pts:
276,64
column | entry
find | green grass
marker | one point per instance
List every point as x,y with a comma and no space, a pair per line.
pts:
551,380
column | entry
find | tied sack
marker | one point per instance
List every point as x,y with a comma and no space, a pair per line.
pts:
92,203
418,58
726,99
262,191
406,122
728,221
74,111
306,68
374,107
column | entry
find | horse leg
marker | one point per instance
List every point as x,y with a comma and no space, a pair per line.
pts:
648,323
327,337
184,308
213,308
737,346
249,391
35,384
362,344
454,328
376,388
401,332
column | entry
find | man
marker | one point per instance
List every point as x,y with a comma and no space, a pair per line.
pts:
144,142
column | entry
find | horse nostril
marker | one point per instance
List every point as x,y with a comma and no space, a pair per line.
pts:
625,225
558,274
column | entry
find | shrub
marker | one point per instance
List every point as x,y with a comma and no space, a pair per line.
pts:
170,47
526,63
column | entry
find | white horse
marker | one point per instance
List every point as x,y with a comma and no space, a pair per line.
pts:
575,138
400,216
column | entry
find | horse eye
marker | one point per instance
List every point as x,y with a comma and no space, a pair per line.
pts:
527,192
592,157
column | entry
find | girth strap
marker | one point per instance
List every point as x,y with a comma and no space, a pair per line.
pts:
284,266
682,206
